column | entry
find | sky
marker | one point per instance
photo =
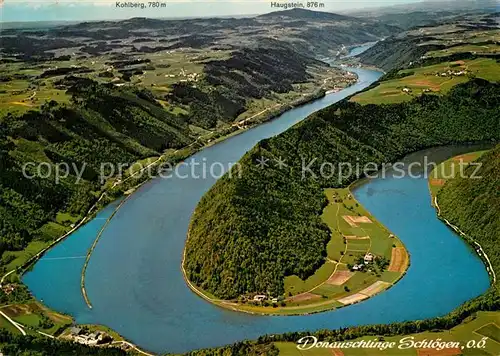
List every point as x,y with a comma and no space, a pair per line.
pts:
88,10
83,10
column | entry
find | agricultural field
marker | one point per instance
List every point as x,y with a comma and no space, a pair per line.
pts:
449,169
484,324
345,278
435,79
474,48
436,72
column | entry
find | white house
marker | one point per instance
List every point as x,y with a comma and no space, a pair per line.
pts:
259,297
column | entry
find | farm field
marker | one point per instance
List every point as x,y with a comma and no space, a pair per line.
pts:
474,48
355,234
484,324
34,316
434,79
439,78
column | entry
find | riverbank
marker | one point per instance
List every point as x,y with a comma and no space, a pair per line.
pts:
438,177
363,259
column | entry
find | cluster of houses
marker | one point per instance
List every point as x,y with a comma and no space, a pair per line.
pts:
191,77
8,288
409,91
91,339
452,73
369,257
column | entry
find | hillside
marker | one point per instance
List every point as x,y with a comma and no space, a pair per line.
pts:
470,35
102,126
93,95
474,204
248,234
303,14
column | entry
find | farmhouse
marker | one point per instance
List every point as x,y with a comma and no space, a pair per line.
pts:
9,288
369,258
358,267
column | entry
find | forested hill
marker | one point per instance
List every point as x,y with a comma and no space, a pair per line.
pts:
461,37
397,53
474,204
101,126
248,233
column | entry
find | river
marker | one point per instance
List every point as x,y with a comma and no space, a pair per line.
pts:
136,286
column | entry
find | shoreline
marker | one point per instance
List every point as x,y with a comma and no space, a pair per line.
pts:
94,244
329,305
466,238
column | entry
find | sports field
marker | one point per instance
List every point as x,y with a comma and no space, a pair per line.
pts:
484,324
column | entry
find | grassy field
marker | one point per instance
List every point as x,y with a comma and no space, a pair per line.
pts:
449,169
354,233
5,324
31,315
485,324
474,48
429,80
18,258
348,243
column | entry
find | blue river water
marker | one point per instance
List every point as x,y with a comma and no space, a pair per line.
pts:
359,49
136,286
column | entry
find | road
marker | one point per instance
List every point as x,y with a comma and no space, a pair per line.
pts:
13,323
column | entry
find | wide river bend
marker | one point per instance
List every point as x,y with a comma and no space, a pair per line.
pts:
136,286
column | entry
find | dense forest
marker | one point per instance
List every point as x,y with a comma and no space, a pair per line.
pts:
396,52
100,125
248,233
474,204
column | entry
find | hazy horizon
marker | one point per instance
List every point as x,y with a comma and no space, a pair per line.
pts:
65,10
76,11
